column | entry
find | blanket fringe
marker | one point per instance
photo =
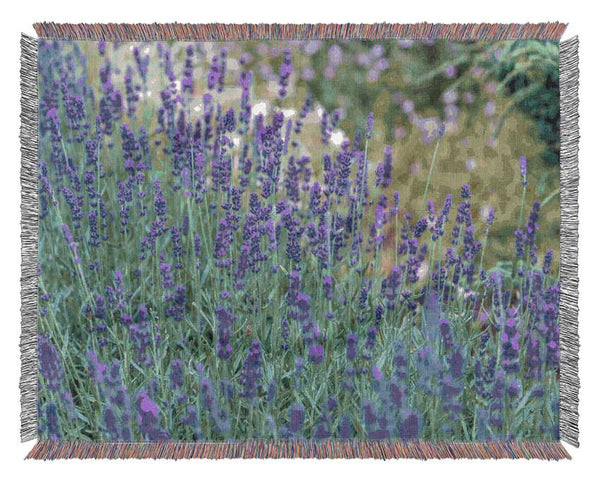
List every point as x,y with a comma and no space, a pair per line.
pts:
223,31
49,450
569,184
29,236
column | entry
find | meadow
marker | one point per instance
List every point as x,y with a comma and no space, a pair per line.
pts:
225,253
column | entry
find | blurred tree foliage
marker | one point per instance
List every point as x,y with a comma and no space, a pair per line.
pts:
525,71
529,71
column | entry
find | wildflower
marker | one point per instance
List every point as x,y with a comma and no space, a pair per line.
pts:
285,72
410,427
351,344
420,227
50,362
387,167
176,374
251,371
519,244
141,337
465,191
523,169
142,63
513,389
74,109
285,334
369,128
224,331
132,96
548,261
52,422
296,414
510,343
315,353
100,312
328,287
148,418
390,287
187,82
96,369
532,226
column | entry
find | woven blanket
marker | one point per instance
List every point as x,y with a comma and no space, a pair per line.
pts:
327,241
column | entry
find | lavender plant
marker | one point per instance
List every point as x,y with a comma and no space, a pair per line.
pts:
211,271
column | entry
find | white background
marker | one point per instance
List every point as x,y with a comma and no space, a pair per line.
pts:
17,16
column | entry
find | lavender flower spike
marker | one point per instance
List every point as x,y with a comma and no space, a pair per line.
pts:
285,73
523,168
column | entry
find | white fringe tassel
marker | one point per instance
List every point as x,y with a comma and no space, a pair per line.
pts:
29,236
569,184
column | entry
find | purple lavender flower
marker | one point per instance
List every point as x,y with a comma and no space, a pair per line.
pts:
74,109
245,115
519,244
187,82
130,147
548,261
176,374
285,73
523,168
420,227
224,239
96,369
369,128
370,343
50,362
446,333
142,63
216,74
225,321
514,388
315,353
52,424
387,167
351,345
533,361
148,418
132,95
410,427
390,287
100,312
328,287
296,414
442,218
177,246
465,191
306,108
285,334
160,205
532,225
74,202
72,244
252,371
510,342
141,337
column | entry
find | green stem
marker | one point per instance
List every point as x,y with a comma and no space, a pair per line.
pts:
522,206
435,151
